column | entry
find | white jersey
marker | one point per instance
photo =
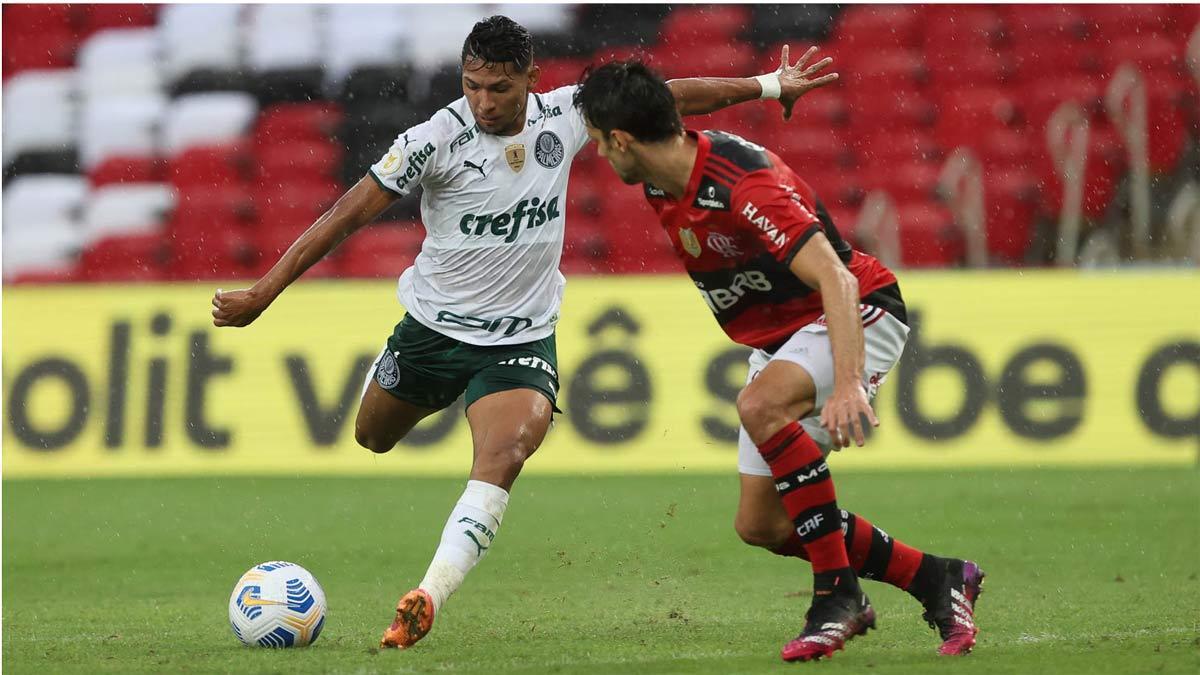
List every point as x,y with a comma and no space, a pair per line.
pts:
494,210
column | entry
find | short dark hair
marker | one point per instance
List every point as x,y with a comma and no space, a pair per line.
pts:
499,39
629,96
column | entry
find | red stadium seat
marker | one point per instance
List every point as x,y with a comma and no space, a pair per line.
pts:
724,59
823,107
912,181
1155,58
836,189
807,149
270,244
50,49
965,114
285,123
1107,22
127,170
897,68
54,276
586,248
704,26
95,17
873,27
560,72
208,166
874,108
1041,99
1007,147
309,159
1105,163
980,26
222,250
198,206
1035,61
1044,22
928,236
974,68
1011,201
125,258
294,204
895,146
382,250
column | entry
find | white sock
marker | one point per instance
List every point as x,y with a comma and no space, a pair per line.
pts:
468,535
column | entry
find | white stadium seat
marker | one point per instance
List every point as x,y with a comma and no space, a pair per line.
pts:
127,208
538,18
50,245
32,199
39,112
440,30
195,37
120,126
120,62
208,118
281,37
366,35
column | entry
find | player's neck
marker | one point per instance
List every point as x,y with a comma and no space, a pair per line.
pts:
669,164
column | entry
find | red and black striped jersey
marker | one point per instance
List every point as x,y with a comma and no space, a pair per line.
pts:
744,216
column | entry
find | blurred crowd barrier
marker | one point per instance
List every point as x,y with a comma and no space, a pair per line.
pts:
1003,369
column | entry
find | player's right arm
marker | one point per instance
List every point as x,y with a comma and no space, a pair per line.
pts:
360,205
790,230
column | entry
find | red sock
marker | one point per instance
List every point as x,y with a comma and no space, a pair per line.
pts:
806,488
873,554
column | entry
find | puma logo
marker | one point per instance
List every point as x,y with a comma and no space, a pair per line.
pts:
478,544
406,141
477,167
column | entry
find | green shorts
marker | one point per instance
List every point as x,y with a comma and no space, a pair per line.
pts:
427,369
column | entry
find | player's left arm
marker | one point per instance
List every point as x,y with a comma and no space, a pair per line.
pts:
703,95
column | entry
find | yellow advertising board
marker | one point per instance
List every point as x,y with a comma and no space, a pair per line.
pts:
1003,369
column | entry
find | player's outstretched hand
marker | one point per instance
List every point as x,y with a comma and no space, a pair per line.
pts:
842,413
237,308
796,80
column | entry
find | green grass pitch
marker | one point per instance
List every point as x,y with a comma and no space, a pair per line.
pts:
1088,572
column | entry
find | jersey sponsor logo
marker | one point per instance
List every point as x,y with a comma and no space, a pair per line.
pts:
527,214
416,164
690,243
546,113
464,138
515,324
548,150
655,192
777,237
709,199
514,154
719,299
723,244
531,362
388,373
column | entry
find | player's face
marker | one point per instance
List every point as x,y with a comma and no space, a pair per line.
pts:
620,159
497,94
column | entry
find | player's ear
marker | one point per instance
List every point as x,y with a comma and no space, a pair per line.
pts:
533,75
621,140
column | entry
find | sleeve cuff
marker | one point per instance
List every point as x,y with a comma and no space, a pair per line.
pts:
380,183
799,243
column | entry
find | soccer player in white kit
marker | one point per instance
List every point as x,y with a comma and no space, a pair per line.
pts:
482,297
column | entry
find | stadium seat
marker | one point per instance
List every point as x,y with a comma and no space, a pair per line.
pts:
965,114
134,208
1011,200
290,122
38,50
299,160
209,166
928,236
39,112
1144,21
1051,23
94,17
909,182
1037,60
703,27
120,62
1042,98
33,199
200,37
211,118
198,206
1155,58
222,250
47,249
124,258
867,28
1006,147
284,37
891,146
382,250
125,126
117,169
560,72
1105,163
443,27
819,149
877,107
979,26
377,83
362,36
980,67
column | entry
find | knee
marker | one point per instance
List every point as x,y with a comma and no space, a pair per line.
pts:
763,535
758,412
372,442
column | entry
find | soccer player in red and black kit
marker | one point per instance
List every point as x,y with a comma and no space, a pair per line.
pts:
826,323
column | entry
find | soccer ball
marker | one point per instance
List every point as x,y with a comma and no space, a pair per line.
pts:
277,604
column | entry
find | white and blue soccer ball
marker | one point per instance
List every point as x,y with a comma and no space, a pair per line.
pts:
277,604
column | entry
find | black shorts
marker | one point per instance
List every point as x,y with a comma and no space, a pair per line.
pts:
427,369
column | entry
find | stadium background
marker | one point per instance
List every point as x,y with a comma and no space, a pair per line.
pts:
1033,172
